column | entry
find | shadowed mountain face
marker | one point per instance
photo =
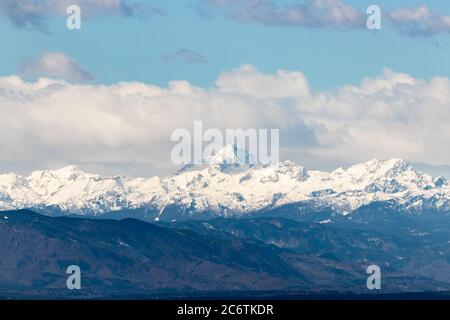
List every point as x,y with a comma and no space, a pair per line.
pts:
131,258
418,246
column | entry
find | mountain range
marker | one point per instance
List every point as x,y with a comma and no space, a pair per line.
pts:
225,228
227,187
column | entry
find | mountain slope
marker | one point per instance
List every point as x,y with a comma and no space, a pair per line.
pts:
131,258
413,245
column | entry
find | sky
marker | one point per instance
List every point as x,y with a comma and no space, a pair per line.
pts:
107,97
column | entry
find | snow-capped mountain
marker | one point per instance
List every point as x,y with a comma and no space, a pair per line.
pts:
243,190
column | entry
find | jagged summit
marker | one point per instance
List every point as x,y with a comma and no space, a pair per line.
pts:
232,154
65,172
215,188
68,170
381,166
229,158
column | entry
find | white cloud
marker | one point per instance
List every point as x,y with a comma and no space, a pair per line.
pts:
185,55
32,14
247,79
419,21
331,14
126,127
54,65
310,13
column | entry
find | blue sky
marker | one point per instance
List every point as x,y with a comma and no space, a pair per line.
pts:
114,48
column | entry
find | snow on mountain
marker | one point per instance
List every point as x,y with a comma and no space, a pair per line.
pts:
213,188
232,155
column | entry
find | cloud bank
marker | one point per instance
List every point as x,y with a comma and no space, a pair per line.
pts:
419,21
310,13
329,14
126,127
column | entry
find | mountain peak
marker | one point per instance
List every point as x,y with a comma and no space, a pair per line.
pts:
232,154
395,162
381,166
67,169
385,162
70,172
